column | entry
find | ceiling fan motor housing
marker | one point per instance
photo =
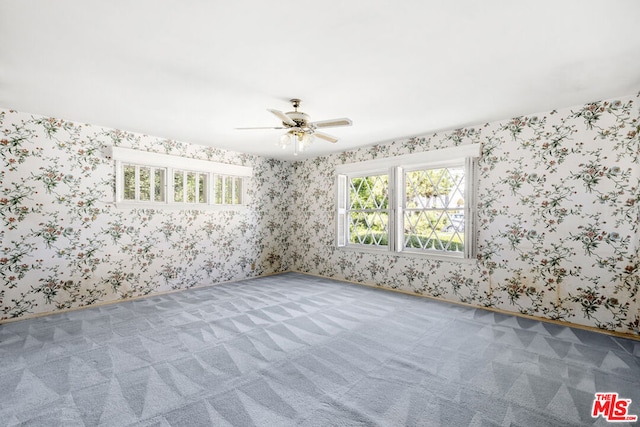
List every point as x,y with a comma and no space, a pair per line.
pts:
299,117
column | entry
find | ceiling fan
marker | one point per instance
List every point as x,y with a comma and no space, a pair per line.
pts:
301,131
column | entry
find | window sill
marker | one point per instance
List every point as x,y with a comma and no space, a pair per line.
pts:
408,254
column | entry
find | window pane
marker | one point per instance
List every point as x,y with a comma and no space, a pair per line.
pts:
159,185
368,210
129,182
218,189
369,228
202,188
145,184
450,187
238,200
178,186
228,190
369,192
419,229
434,209
191,187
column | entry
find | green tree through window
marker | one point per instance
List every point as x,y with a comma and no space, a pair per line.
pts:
434,209
420,203
143,184
369,210
158,179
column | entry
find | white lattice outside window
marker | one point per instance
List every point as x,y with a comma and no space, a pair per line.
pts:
434,209
368,211
414,204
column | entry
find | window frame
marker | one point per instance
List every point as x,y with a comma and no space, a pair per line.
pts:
137,180
173,165
388,210
395,167
185,178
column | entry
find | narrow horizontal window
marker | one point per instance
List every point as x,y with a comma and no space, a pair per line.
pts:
190,187
165,180
228,190
143,184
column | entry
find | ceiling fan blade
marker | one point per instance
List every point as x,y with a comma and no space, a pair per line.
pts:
266,127
282,116
326,137
332,123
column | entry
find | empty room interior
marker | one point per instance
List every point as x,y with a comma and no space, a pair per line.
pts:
366,213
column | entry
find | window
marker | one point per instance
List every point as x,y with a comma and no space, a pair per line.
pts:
143,184
190,187
228,190
368,210
420,203
434,208
144,178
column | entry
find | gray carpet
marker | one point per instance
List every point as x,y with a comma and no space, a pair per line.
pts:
294,349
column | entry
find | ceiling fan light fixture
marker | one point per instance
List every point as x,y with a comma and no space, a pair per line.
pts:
301,139
285,140
308,139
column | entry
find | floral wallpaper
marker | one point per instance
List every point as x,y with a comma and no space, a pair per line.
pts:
65,245
558,218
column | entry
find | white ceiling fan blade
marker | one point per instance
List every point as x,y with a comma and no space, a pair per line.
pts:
332,123
282,116
326,137
266,127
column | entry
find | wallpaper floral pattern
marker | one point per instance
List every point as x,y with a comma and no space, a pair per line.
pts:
65,245
558,219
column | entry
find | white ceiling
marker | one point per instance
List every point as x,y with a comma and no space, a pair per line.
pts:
193,71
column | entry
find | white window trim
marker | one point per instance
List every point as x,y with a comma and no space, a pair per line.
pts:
128,156
395,167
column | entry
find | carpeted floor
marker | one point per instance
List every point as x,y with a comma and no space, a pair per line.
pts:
294,349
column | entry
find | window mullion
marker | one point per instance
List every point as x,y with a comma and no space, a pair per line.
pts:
137,182
242,190
341,210
213,190
169,185
152,184
210,189
185,198
197,188
223,190
233,191
223,186
398,208
163,185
